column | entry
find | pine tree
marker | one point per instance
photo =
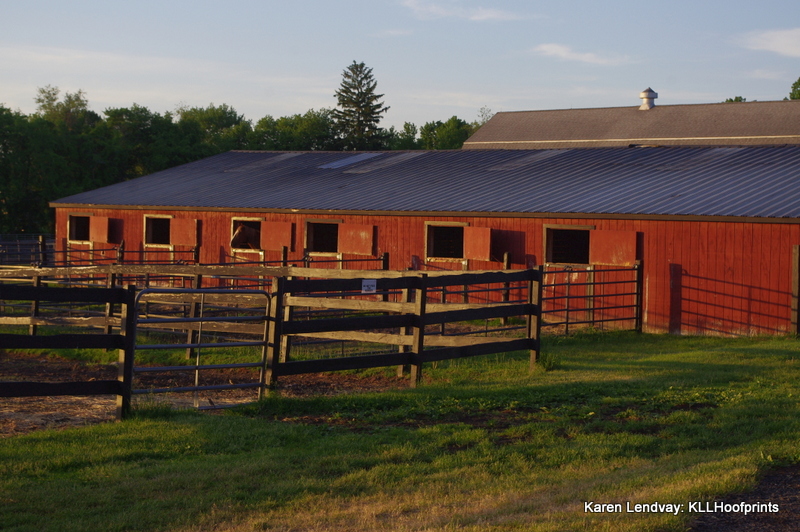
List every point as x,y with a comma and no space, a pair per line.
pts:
359,109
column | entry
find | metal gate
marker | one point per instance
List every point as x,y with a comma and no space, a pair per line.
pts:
214,330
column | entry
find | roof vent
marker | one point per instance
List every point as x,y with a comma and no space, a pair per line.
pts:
648,96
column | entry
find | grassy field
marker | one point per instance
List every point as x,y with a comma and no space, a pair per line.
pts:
482,445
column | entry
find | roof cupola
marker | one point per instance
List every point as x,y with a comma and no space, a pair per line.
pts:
648,97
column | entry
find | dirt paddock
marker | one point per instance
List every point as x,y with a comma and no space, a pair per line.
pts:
28,414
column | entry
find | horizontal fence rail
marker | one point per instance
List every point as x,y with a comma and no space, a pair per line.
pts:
296,320
368,316
123,341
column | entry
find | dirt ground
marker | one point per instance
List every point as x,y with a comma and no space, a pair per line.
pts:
27,414
21,415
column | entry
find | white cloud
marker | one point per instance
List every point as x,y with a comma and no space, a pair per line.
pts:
157,82
768,74
566,53
393,33
783,42
451,9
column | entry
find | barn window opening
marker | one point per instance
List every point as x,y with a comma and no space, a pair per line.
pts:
246,234
323,237
446,241
568,246
79,228
157,231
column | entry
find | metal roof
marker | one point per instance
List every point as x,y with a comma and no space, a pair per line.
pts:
744,181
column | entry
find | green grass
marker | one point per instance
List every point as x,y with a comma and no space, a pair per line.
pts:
482,445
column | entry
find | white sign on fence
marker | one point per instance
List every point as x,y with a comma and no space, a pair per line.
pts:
369,286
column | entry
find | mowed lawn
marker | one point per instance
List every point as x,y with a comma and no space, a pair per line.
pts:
482,445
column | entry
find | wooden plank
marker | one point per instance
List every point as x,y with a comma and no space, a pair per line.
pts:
59,294
43,389
487,312
378,306
59,321
348,285
126,353
222,327
482,278
234,271
231,299
348,324
62,341
273,334
357,336
349,304
418,330
297,367
37,283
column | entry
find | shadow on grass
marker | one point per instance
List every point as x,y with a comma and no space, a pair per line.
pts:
619,401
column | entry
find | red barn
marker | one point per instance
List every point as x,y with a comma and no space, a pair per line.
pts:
715,228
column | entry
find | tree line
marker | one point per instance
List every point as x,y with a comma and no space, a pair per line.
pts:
794,94
65,148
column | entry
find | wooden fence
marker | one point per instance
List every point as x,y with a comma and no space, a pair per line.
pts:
124,341
405,310
415,317
405,324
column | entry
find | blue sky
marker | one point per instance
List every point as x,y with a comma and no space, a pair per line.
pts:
432,58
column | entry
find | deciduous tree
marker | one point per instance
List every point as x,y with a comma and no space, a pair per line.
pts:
448,135
795,93
314,130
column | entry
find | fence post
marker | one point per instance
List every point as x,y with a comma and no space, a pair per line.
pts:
795,316
505,294
121,253
638,298
418,340
274,332
37,282
590,293
111,281
43,259
402,369
126,354
194,307
533,326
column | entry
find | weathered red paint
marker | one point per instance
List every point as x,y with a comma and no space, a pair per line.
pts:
700,277
356,238
616,248
478,243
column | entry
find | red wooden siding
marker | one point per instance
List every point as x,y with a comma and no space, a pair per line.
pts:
183,232
699,277
277,235
98,229
478,243
616,248
356,239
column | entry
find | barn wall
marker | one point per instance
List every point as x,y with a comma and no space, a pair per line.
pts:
700,277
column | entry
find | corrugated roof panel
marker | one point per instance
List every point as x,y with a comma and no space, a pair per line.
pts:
353,159
388,160
751,181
